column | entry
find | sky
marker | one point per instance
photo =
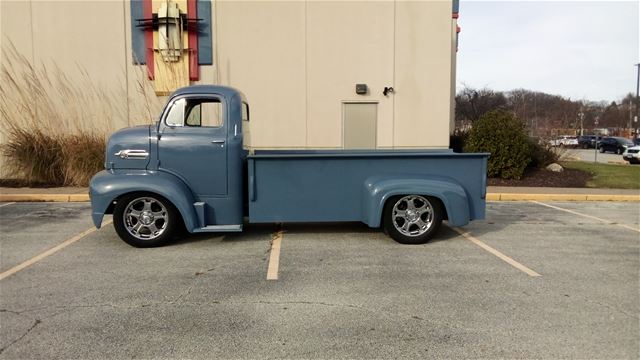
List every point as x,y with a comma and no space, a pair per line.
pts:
584,50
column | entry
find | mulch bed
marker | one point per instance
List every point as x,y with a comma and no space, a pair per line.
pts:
545,178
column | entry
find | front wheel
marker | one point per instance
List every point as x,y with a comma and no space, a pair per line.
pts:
145,220
601,150
412,219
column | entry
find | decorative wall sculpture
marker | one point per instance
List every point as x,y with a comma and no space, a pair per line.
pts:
172,38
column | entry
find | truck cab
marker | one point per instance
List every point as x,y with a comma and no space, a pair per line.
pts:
200,141
193,154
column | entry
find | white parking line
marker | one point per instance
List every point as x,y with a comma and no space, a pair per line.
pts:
497,253
6,204
49,252
274,257
587,216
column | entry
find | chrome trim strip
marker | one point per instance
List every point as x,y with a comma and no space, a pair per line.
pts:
132,154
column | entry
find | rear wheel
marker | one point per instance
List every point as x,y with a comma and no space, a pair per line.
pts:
412,219
145,220
601,150
619,151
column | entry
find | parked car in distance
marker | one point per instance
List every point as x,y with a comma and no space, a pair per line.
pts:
632,154
564,141
587,141
614,144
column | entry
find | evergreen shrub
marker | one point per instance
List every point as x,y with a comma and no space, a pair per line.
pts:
500,133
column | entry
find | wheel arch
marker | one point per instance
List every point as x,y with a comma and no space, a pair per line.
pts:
107,187
378,190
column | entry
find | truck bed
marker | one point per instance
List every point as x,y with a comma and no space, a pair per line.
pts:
335,185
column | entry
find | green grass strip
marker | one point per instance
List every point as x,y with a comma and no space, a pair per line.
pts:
608,175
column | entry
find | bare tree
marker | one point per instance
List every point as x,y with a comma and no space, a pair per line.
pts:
471,104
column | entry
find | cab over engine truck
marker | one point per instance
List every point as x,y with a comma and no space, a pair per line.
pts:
189,171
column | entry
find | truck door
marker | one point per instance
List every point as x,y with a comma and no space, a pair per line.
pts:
192,143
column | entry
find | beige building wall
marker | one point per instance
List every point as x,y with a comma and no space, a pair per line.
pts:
260,51
89,42
348,43
297,61
422,74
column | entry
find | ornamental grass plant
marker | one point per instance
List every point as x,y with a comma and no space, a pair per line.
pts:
54,129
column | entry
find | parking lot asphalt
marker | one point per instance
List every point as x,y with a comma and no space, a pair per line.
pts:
589,155
342,290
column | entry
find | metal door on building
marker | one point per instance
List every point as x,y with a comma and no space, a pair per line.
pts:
360,121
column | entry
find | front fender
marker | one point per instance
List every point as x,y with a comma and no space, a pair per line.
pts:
106,186
378,189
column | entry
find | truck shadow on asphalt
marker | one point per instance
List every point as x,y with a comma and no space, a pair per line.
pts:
250,233
262,232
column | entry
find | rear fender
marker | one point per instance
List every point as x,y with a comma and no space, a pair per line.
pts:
107,186
377,190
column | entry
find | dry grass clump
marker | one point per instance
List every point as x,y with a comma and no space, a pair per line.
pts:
83,157
34,156
54,129
40,158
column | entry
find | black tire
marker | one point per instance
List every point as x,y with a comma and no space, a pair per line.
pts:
421,236
601,150
619,151
169,225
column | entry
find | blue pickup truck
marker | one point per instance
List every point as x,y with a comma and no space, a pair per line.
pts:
191,171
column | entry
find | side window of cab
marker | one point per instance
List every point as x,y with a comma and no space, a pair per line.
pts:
196,112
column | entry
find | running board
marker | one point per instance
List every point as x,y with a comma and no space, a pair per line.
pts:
219,228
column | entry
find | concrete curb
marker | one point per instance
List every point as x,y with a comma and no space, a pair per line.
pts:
490,197
44,197
560,197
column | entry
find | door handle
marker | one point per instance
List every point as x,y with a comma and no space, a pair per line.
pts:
218,142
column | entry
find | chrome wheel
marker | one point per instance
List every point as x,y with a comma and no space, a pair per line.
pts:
145,218
412,215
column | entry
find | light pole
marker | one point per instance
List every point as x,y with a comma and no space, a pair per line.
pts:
595,156
581,117
637,84
635,118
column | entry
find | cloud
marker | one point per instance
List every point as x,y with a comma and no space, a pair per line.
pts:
575,49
